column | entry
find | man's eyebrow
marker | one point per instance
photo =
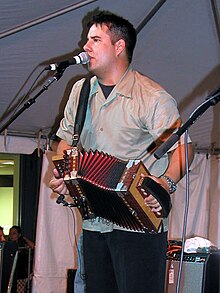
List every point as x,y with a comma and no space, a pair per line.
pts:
94,37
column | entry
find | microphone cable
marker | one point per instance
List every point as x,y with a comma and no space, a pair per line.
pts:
78,244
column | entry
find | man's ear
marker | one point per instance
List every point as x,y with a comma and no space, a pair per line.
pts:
119,46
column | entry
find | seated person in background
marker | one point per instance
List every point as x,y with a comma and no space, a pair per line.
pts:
2,236
15,234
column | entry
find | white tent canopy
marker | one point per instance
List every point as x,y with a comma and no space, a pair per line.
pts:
178,46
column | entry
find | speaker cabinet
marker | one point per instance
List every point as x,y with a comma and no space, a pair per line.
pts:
199,274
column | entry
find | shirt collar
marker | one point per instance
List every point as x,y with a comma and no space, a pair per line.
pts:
123,87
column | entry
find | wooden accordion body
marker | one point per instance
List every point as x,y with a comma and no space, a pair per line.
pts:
104,186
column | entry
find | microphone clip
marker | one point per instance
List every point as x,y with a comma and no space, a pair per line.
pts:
61,199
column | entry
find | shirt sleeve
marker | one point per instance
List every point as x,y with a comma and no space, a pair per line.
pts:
164,119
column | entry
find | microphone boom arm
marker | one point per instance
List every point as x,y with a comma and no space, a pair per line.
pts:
31,101
210,101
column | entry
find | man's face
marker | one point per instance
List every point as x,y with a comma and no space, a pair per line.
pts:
100,49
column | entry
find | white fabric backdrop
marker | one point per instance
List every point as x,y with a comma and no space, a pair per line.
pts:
204,201
57,231
55,247
19,145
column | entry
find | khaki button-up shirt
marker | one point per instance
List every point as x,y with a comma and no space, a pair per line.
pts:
137,113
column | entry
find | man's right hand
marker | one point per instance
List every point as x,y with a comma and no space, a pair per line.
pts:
57,184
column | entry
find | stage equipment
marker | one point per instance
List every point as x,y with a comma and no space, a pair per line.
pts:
200,273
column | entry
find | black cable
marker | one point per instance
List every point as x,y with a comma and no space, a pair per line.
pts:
60,200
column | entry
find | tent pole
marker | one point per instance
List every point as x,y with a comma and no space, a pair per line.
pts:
39,20
150,15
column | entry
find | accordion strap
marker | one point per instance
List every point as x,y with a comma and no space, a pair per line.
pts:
161,195
81,111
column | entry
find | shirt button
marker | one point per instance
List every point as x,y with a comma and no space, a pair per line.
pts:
101,129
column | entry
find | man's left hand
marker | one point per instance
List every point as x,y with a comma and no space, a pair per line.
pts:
151,201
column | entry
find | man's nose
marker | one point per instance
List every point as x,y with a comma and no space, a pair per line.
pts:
87,47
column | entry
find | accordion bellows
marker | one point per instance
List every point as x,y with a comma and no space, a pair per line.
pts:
104,186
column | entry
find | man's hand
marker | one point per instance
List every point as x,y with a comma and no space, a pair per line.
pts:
176,170
57,184
151,201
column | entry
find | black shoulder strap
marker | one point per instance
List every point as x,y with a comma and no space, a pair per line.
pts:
81,111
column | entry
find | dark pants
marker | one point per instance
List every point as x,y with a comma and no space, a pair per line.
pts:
124,262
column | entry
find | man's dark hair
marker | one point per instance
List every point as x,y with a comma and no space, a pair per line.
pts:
119,28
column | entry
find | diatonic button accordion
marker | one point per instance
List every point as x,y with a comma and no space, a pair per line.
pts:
103,186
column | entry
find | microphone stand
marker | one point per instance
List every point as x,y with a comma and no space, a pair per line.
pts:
211,100
31,101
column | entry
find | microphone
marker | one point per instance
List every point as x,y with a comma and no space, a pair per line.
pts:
216,91
82,58
61,199
214,96
212,99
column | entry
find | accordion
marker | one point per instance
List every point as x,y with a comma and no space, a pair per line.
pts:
103,186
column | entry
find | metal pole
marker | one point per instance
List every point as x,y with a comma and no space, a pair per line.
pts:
10,283
39,20
150,15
